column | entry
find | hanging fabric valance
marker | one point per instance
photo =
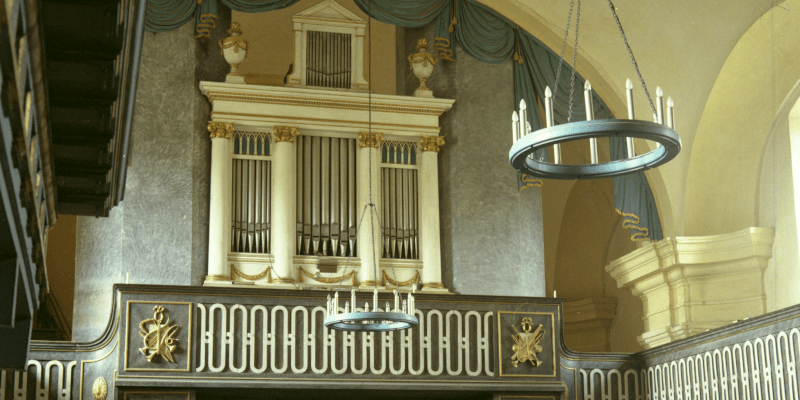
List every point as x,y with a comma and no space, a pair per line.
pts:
483,34
166,15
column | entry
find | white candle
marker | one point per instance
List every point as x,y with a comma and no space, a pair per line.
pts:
353,299
548,106
346,307
328,306
587,99
670,113
659,105
335,303
554,292
629,92
514,127
127,276
396,301
523,116
375,300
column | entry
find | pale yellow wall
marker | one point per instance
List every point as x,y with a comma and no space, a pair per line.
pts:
272,44
60,261
723,175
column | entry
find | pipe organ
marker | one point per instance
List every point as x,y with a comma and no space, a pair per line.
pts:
250,200
320,173
326,196
328,59
399,200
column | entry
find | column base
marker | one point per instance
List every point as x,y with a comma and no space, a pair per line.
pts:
367,285
434,287
217,280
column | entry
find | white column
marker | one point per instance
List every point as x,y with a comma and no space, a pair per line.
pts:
430,250
219,222
369,235
283,204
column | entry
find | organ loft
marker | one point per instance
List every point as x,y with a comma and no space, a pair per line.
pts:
292,199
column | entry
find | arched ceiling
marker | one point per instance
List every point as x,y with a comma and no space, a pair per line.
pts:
680,45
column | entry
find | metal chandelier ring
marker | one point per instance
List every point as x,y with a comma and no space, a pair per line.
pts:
541,139
370,321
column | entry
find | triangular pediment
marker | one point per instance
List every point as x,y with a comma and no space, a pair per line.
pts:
330,10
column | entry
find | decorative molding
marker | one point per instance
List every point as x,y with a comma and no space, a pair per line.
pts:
370,139
431,143
220,130
320,99
284,134
266,272
387,279
323,279
587,324
691,284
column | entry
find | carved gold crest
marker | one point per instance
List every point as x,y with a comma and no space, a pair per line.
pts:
158,337
527,346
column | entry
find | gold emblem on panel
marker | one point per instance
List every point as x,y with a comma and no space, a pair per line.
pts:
100,389
158,338
527,343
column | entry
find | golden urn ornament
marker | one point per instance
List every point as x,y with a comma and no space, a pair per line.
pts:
422,64
234,49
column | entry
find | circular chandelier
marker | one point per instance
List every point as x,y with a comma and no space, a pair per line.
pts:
527,142
352,318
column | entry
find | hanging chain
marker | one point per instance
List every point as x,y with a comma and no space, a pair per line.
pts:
563,46
574,61
630,53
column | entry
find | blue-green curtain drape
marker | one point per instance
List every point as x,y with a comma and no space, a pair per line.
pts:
633,199
485,35
166,15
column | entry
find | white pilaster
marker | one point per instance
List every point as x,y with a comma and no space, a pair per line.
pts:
430,249
369,242
219,223
283,203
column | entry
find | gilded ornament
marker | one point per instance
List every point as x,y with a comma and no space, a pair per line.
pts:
431,143
422,64
234,49
323,279
370,139
527,343
284,134
100,389
158,338
366,284
283,280
221,130
423,56
267,272
386,278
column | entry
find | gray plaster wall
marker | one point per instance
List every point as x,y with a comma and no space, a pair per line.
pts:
491,233
159,233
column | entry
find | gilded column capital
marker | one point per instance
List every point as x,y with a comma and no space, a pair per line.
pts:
431,143
370,139
221,130
284,134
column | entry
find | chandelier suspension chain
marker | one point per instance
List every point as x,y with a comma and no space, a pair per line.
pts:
630,53
563,45
574,61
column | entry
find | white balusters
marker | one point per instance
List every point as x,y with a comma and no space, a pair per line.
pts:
274,339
